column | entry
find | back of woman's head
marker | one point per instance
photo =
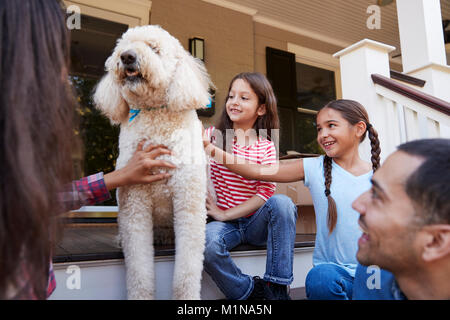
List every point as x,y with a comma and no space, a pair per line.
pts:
36,134
353,112
263,90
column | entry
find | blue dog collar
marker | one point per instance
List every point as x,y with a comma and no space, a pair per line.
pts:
135,112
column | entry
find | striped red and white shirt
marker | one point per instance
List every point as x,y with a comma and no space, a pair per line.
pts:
231,188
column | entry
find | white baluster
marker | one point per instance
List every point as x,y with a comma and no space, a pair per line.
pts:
401,122
423,126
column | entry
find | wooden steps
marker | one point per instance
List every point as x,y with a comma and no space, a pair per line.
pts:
89,249
93,253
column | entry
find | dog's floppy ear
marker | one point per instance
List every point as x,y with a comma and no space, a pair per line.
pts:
189,86
107,98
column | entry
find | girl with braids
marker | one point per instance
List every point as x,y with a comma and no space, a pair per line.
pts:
335,180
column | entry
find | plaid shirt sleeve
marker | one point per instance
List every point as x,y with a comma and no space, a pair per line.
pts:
86,191
51,286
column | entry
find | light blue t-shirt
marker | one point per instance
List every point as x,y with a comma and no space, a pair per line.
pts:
341,245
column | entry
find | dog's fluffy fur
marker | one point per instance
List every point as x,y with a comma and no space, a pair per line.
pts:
167,84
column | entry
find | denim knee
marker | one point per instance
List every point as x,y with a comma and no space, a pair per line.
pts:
212,249
328,282
283,206
213,245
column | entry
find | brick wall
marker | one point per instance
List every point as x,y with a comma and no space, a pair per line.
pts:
228,38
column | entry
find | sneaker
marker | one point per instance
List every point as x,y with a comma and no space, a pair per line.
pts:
275,291
259,289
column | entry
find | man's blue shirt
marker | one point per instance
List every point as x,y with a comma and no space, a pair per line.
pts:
373,283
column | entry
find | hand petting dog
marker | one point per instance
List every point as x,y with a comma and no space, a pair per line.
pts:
138,168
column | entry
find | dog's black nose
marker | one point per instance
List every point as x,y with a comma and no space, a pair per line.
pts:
128,57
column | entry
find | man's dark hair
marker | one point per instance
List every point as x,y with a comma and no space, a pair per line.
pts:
429,186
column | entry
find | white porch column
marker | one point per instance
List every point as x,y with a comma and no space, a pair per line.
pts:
358,62
422,45
421,35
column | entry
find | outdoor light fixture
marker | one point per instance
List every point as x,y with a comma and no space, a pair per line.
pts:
197,48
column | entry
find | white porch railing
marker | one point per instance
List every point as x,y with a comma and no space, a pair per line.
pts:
409,118
399,112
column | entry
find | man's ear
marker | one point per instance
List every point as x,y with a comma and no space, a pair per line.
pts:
435,242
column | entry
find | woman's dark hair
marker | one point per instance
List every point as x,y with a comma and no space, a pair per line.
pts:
353,112
263,90
36,135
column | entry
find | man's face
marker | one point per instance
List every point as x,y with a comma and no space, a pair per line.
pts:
387,216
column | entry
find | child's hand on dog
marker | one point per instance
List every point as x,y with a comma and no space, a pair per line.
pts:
138,170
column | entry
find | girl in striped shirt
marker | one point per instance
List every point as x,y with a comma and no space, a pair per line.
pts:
246,211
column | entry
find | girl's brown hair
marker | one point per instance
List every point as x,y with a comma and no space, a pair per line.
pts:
263,90
36,135
353,112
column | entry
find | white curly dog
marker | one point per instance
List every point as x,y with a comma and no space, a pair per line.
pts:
152,88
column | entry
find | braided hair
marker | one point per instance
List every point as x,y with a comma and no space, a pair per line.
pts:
353,112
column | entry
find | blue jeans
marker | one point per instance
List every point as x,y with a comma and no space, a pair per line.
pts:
272,225
328,282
